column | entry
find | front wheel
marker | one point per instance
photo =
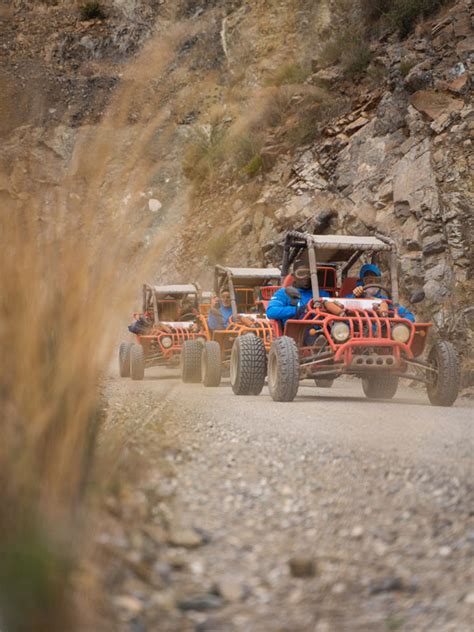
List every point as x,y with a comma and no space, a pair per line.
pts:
137,362
381,386
124,359
283,369
248,365
443,380
191,361
211,364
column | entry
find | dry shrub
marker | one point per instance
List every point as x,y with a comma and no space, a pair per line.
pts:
403,14
217,247
91,11
245,147
290,74
351,48
205,153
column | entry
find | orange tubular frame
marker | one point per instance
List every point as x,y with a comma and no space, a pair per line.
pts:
179,335
263,329
373,336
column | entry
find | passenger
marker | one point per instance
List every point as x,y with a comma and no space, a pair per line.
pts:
220,312
370,274
142,325
292,302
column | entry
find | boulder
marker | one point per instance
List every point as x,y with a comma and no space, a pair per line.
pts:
435,104
418,79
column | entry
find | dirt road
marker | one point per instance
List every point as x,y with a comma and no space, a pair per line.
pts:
370,502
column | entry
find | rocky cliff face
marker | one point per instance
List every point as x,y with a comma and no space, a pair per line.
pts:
398,161
385,147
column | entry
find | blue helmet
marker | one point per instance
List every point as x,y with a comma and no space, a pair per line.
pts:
369,267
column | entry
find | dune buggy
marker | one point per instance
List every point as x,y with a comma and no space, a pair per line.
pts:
250,290
170,317
359,341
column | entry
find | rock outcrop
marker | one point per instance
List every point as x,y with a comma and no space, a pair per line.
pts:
399,162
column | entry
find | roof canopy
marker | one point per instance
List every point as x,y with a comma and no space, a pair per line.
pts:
349,242
338,248
249,274
173,289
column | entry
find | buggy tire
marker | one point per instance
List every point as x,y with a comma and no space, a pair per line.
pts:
191,362
444,390
211,364
381,386
137,362
283,369
323,382
124,359
248,365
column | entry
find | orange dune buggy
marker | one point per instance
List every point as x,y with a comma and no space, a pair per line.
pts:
170,317
250,290
361,340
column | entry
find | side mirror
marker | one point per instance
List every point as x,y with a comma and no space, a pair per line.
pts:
417,297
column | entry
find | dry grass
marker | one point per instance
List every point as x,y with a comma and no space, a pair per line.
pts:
68,268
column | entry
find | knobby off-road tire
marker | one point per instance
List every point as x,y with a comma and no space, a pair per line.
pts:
211,364
444,389
248,365
381,386
191,361
124,359
323,383
283,369
137,362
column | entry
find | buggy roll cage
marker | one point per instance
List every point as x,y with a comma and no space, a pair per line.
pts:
339,249
155,292
228,278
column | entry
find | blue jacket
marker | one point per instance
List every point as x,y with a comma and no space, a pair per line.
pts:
403,312
280,306
216,323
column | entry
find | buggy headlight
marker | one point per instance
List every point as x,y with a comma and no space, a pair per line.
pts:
401,333
167,342
340,332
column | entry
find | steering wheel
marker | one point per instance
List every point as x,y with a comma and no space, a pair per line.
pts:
379,287
187,316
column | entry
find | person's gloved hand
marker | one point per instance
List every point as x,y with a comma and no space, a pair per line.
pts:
301,310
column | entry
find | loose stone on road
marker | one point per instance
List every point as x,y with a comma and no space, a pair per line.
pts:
329,513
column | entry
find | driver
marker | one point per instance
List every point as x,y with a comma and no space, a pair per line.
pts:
187,309
370,274
220,312
292,302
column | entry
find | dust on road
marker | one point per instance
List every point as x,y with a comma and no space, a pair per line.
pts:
370,501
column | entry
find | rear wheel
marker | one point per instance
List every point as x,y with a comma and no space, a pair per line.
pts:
191,361
211,364
323,383
124,359
443,387
137,362
248,365
283,369
381,386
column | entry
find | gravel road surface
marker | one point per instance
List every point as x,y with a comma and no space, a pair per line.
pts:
329,513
